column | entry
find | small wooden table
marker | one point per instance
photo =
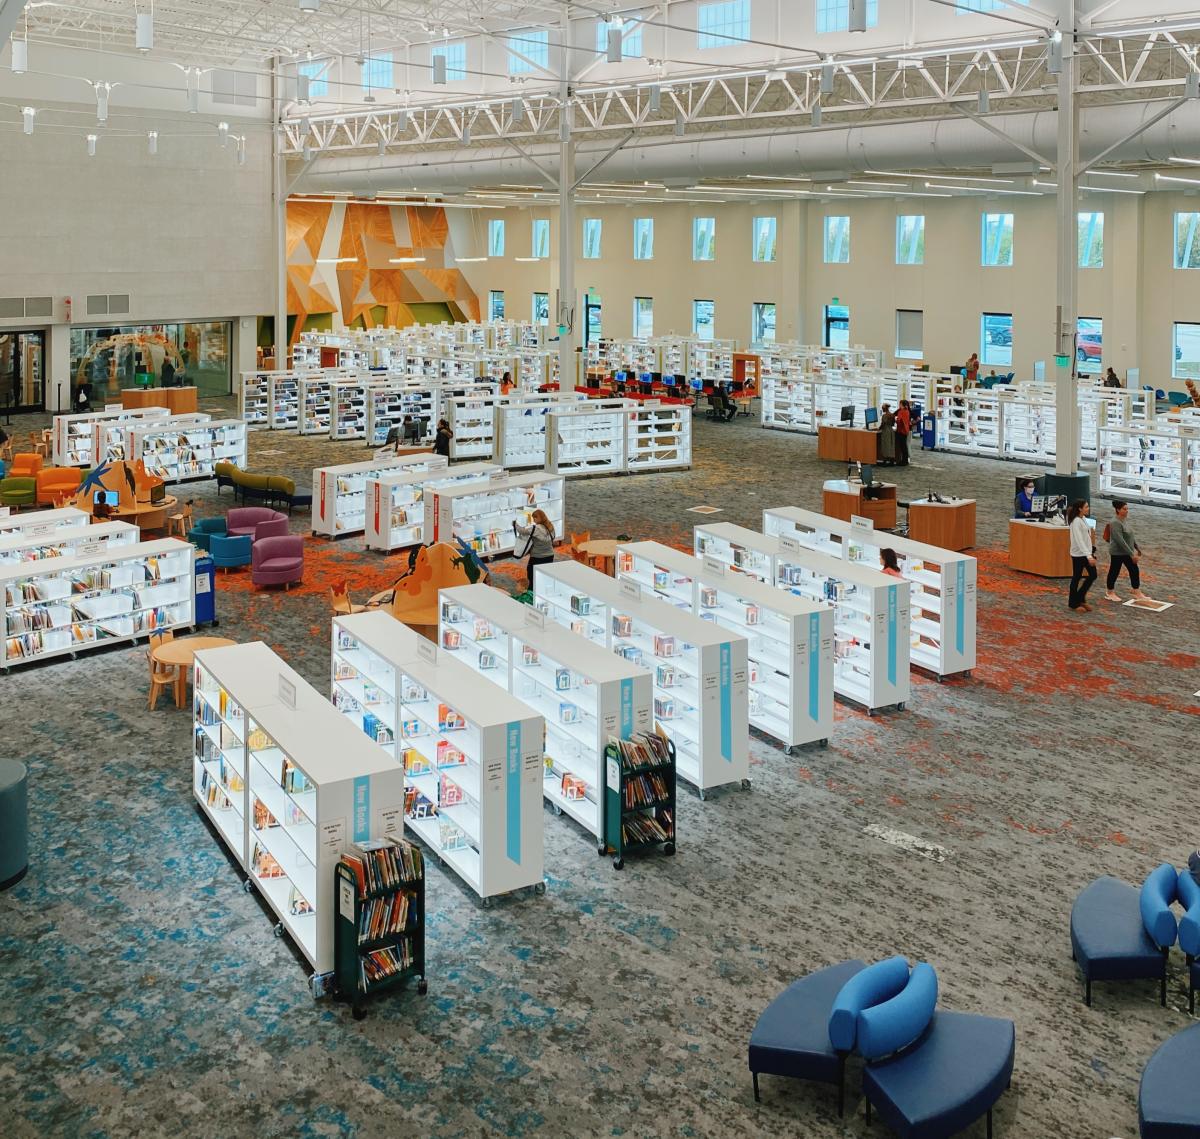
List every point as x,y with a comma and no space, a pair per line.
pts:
947,525
603,549
181,653
848,444
843,499
145,515
178,401
1039,547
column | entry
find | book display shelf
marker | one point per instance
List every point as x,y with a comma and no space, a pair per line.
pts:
348,408
639,796
943,593
67,542
285,401
287,783
831,395
536,366
787,403
586,440
114,442
341,491
519,426
254,399
585,693
470,754
395,516
73,437
1158,464
483,516
700,670
69,604
789,638
871,610
39,523
181,452
658,437
314,404
472,422
389,402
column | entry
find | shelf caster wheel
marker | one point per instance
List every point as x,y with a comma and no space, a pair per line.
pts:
487,903
900,706
540,888
745,784
602,850
669,848
941,679
618,864
278,929
422,986
703,795
967,674
248,886
360,1013
557,808
870,711
825,743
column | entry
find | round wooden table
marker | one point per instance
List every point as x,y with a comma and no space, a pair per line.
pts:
602,550
181,653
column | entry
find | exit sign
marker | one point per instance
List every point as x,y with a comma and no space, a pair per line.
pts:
1062,361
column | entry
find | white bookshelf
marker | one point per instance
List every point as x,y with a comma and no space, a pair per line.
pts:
701,698
284,414
254,399
483,516
585,440
871,610
67,542
39,523
348,408
470,753
473,425
314,400
341,491
658,437
585,693
389,402
70,604
788,403
943,584
180,452
789,638
519,426
1158,463
73,442
395,517
288,784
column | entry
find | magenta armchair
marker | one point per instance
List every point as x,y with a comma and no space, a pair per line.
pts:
277,561
247,520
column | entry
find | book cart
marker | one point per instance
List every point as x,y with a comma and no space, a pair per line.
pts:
639,796
396,506
586,694
341,491
379,942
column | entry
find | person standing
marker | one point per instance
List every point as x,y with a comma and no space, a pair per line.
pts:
441,442
888,562
887,436
166,375
971,370
1123,552
1083,555
903,430
539,541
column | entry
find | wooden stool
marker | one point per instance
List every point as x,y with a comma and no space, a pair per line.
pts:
163,677
181,521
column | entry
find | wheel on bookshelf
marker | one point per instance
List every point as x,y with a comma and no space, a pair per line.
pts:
940,678
967,674
701,792
557,808
602,850
825,742
359,1012
539,888
487,903
668,848
248,885
745,784
618,864
278,931
900,706
422,986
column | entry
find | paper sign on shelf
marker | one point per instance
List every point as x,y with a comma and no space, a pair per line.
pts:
38,531
714,566
630,590
333,835
535,617
614,774
389,822
346,899
789,545
860,525
287,692
427,651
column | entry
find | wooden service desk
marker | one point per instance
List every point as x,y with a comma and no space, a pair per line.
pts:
178,401
1039,547
947,525
848,444
843,499
146,515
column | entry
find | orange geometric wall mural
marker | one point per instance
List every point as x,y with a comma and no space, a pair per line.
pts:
339,262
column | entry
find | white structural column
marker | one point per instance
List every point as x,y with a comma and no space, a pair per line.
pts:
567,315
1067,417
279,179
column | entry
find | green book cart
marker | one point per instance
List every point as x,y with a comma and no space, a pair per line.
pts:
639,796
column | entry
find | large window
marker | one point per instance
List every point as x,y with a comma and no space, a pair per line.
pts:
910,334
910,239
496,237
722,23
1089,337
1186,355
1187,241
837,326
997,240
643,317
762,322
377,71
111,356
541,237
631,41
995,338
1091,241
643,239
704,318
591,238
534,48
764,237
496,304
591,323
541,308
834,15
455,54
966,7
704,239
316,71
837,240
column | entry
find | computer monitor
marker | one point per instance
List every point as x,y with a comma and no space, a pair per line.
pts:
848,413
646,378
106,498
621,377
871,416
868,474
412,431
1037,504
158,493
670,381
656,377
697,384
738,385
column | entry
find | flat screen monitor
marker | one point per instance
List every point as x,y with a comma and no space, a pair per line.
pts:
1037,504
158,492
670,381
106,498
646,378
621,377
848,413
868,474
697,384
412,430
871,416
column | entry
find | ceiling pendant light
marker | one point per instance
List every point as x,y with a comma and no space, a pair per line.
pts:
985,99
193,90
223,133
655,102
858,16
302,89
91,143
816,114
310,5
144,32
152,141
27,114
518,110
827,76
402,120
241,150
102,90
680,124
20,57
439,69
615,36
381,148
308,152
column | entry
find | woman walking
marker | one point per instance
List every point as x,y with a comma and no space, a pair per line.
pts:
1123,553
1083,555
887,436
539,541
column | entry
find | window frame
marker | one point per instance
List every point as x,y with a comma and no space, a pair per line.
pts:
533,309
903,353
1011,226
826,248
1177,352
588,223
370,74
917,238
495,227
756,238
638,334
757,311
645,225
712,324
728,24
539,57
985,344
827,322
316,71
1193,242
493,294
709,254
1095,239
540,227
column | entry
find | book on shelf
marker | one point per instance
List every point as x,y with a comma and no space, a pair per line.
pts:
530,655
647,790
263,863
380,964
638,829
581,604
451,639
646,749
664,645
622,625
568,713
487,660
573,788
450,720
383,864
448,755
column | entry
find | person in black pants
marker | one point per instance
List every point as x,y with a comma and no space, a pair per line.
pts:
1123,552
441,441
1083,556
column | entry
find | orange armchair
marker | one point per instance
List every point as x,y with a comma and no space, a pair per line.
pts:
54,483
25,465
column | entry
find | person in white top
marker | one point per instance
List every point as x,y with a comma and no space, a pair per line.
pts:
1083,555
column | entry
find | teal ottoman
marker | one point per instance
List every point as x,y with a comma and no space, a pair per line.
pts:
14,822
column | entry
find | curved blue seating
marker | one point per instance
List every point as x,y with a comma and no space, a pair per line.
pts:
230,553
1168,1096
1188,892
1109,940
791,1037
955,1074
895,1024
874,985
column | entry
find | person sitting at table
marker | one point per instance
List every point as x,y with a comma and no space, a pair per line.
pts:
1023,506
728,407
1111,379
889,563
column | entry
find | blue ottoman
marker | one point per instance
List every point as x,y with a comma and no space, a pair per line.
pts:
14,822
1168,1098
1109,939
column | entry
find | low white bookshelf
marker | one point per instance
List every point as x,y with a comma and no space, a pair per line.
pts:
182,452
38,523
340,492
871,609
254,399
789,638
658,437
348,408
284,412
585,693
288,785
701,697
519,426
483,516
388,403
585,440
314,399
1157,463
66,542
70,604
395,516
943,584
470,753
472,424
73,437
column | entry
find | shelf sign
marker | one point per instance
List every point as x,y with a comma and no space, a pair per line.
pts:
630,590
714,566
38,531
535,618
346,899
287,692
860,524
362,808
789,545
427,651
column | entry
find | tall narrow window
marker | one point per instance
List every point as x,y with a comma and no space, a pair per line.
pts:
591,238
997,241
643,317
910,239
704,318
495,304
837,240
910,333
455,54
541,237
834,15
1187,241
1091,241
704,239
377,72
1089,340
762,322
996,338
1186,351
643,239
837,326
527,51
496,237
541,308
763,236
631,38
723,23
966,7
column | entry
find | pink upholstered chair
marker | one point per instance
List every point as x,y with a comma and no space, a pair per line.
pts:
247,520
277,560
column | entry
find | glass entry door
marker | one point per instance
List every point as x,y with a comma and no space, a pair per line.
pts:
591,308
23,370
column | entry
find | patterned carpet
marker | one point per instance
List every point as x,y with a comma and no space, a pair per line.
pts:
142,993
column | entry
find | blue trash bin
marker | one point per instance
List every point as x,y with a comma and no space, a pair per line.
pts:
206,592
928,432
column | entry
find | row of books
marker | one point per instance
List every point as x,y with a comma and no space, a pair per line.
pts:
637,829
383,864
645,749
646,791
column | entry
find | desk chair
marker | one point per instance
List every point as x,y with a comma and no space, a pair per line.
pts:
37,443
339,600
162,676
179,523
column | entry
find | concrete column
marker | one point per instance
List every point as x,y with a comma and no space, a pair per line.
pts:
279,200
1067,417
568,313
57,368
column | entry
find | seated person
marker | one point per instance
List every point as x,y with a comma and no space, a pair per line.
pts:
1111,379
1023,506
728,407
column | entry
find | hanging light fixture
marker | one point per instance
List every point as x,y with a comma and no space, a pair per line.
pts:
858,16
381,148
241,150
193,89
308,152
680,124
152,141
615,36
439,69
827,76
20,57
402,120
91,143
518,110
310,5
223,133
27,114
302,89
1054,58
985,99
144,31
102,90
816,114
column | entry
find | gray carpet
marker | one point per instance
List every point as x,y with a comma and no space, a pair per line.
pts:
142,992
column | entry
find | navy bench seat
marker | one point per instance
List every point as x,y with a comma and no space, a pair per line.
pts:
1108,937
1169,1096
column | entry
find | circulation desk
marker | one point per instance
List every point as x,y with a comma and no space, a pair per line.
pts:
947,525
178,401
844,499
848,444
1039,547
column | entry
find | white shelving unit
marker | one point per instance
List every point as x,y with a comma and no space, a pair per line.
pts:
943,584
288,785
395,516
585,694
470,753
70,604
67,542
701,697
254,399
1158,463
180,452
789,638
314,404
483,516
473,425
348,408
871,610
388,403
787,404
585,440
658,437
73,442
284,414
39,523
341,491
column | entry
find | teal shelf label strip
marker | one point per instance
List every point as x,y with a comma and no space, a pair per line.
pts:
362,808
512,793
891,637
727,702
960,617
626,708
814,668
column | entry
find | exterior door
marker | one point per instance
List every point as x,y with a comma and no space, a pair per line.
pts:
23,371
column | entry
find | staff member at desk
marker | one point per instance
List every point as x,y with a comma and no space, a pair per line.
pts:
1023,506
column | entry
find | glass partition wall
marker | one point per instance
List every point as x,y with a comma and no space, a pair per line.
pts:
113,357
